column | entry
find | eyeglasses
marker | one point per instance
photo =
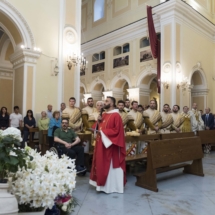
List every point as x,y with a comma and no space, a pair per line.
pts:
64,122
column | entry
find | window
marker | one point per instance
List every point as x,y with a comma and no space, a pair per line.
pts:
144,42
95,57
100,56
99,6
126,48
117,50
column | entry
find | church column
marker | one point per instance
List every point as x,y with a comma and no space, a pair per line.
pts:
24,65
170,57
71,22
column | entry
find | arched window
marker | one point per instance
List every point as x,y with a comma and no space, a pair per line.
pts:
117,50
126,48
144,42
95,57
102,55
99,6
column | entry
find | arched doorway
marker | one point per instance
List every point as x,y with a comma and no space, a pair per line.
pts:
148,89
199,89
6,71
120,90
97,92
14,32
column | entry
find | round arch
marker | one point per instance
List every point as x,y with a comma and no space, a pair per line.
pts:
20,23
144,74
95,82
201,73
118,78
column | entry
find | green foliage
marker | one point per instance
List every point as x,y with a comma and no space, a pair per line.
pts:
29,208
11,157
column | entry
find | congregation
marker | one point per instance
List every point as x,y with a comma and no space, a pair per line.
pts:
136,118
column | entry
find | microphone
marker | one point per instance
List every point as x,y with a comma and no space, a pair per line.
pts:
101,111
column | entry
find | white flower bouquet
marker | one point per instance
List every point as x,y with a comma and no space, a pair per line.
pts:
11,156
43,180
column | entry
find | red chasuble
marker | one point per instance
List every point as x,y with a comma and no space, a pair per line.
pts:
111,126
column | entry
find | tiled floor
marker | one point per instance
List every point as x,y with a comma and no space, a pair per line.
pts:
179,194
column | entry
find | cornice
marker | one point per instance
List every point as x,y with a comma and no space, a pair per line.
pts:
174,9
121,36
6,75
184,13
24,56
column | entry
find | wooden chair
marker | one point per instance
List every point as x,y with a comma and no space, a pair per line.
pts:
163,155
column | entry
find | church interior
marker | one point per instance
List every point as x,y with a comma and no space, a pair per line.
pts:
56,49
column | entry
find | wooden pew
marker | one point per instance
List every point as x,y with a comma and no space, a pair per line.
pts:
207,136
163,155
145,138
177,135
45,142
33,142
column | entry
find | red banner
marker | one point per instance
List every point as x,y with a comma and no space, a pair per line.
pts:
154,43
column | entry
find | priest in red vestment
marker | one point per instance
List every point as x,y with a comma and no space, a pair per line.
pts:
108,167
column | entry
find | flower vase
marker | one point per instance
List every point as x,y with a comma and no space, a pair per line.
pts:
8,202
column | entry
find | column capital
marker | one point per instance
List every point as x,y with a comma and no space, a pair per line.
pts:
21,56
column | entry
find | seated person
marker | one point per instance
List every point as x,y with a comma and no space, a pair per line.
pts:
67,141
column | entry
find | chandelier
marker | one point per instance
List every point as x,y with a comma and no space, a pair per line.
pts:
75,60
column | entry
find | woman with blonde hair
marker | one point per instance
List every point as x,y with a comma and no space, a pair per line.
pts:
94,116
43,125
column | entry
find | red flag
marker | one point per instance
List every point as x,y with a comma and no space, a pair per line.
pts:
154,43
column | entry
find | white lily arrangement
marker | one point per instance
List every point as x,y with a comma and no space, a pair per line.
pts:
43,180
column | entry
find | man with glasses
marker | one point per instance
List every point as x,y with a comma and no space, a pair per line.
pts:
67,141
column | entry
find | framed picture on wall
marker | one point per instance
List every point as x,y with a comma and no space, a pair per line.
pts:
99,67
122,61
145,55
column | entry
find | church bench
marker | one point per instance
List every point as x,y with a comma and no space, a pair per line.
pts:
167,155
33,142
143,138
207,136
177,135
44,141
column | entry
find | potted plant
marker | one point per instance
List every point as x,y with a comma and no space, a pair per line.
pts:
44,178
11,158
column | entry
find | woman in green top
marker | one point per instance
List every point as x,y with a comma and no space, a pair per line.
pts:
43,124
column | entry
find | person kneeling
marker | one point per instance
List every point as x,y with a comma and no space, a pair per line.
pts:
67,141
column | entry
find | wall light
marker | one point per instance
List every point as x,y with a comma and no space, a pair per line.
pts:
165,76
